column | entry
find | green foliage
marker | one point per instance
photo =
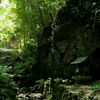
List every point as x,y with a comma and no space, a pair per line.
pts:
52,89
20,68
82,79
29,52
7,85
58,92
25,20
96,84
38,87
58,80
1,43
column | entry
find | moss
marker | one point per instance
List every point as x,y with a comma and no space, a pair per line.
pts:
61,93
58,92
82,79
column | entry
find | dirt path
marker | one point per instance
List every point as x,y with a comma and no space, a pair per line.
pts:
10,50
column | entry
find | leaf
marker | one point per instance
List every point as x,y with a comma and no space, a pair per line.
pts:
22,70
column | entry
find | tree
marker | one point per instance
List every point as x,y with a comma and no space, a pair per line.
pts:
26,18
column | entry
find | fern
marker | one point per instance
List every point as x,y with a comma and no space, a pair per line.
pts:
7,86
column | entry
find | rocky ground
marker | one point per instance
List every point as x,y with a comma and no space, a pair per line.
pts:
90,91
29,96
81,91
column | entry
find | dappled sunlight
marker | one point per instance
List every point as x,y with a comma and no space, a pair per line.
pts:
49,50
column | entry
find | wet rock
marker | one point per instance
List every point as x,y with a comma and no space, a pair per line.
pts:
56,55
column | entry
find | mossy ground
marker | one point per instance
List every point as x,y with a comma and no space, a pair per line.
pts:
79,91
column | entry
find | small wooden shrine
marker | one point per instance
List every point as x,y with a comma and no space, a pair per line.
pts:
82,66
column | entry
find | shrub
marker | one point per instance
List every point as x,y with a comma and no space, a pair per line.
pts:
7,85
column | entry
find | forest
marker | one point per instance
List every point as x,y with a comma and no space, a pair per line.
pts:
49,50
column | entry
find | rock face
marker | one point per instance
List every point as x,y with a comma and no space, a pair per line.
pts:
70,40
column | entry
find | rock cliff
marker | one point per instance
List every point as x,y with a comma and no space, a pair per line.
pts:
75,32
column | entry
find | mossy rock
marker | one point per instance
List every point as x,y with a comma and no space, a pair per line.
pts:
61,93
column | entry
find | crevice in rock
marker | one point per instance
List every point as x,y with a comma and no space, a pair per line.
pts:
95,71
61,57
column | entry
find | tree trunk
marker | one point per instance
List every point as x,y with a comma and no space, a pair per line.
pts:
24,39
20,42
41,16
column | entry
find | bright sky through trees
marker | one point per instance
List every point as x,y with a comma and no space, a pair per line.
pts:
22,20
6,19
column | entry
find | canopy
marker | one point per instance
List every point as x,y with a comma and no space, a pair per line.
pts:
79,60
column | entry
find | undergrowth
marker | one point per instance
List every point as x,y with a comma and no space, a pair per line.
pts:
7,85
